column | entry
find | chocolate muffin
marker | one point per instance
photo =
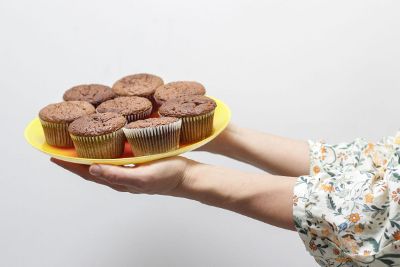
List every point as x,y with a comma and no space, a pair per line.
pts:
132,107
95,94
55,119
141,84
98,135
197,113
154,135
173,90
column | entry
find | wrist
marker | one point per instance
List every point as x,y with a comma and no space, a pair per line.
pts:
202,183
224,142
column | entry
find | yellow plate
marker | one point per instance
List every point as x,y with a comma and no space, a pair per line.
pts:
35,136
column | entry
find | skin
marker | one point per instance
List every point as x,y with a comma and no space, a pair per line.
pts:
266,197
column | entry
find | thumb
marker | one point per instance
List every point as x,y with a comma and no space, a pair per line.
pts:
119,175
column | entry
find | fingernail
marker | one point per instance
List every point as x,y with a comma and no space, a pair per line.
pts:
95,170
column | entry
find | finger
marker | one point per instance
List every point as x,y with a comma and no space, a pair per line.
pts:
118,175
83,171
79,169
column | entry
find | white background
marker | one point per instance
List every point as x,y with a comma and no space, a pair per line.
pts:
305,69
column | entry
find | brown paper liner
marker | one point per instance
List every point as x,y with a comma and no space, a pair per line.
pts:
56,134
196,128
139,116
105,146
154,140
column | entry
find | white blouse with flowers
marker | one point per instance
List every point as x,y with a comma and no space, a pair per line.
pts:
347,211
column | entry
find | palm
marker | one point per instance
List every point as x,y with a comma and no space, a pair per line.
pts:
159,177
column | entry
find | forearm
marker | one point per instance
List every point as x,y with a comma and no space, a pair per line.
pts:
263,197
272,153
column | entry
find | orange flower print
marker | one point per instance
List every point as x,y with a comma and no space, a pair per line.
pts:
397,140
368,198
396,235
343,259
325,232
396,195
371,146
383,187
313,232
316,169
295,200
336,251
327,188
367,252
313,247
369,149
354,217
349,242
354,249
380,173
377,160
359,228
323,152
342,156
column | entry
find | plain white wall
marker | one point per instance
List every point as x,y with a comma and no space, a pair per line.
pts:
305,69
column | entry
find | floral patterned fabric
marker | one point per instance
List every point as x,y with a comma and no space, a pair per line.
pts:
347,211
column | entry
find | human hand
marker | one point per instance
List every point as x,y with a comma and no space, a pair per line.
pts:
261,196
159,177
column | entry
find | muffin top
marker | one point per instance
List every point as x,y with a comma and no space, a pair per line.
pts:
152,122
125,105
187,106
97,124
92,93
142,84
173,90
65,112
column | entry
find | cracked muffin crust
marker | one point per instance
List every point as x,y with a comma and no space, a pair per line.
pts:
95,94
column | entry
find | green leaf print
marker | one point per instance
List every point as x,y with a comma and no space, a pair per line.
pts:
386,235
394,224
396,217
331,205
373,242
331,174
396,175
297,222
389,256
388,262
387,259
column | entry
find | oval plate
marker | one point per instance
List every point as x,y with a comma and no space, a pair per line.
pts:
35,137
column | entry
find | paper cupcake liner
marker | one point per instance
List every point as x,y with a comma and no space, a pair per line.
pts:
56,134
104,146
154,140
196,128
139,116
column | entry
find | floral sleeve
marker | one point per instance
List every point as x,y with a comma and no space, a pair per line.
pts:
347,211
333,158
